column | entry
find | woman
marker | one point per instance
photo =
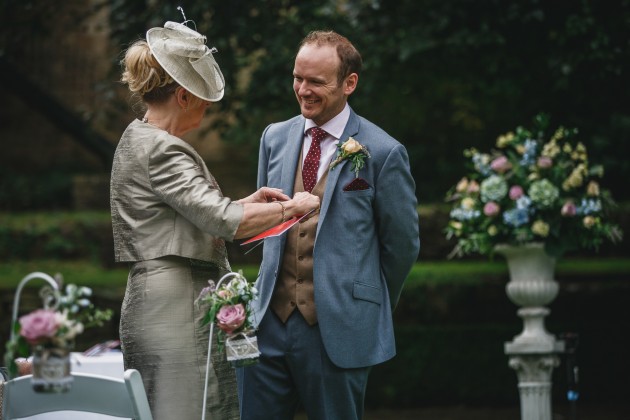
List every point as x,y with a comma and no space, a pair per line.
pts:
170,221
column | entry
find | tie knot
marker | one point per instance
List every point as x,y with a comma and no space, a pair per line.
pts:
318,134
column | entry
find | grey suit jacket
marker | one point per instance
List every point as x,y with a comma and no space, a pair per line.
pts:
164,201
365,245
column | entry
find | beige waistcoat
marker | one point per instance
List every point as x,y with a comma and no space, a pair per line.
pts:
294,287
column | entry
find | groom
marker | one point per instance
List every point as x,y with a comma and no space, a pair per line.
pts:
329,286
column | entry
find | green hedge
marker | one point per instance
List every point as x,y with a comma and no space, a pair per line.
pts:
451,323
88,235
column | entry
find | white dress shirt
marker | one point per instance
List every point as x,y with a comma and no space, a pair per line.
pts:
334,128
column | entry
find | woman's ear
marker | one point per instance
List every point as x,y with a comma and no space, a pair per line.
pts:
182,97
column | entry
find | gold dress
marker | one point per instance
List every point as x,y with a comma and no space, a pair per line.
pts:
170,220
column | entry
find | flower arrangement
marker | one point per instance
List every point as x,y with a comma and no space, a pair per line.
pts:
353,150
54,327
530,189
229,308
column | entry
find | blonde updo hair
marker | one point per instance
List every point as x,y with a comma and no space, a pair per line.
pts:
144,76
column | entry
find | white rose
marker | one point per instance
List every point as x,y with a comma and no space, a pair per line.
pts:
351,146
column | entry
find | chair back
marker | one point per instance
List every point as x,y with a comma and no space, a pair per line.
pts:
89,393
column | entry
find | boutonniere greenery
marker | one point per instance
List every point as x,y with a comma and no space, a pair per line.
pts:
353,151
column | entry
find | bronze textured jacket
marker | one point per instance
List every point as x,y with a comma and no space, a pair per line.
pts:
164,201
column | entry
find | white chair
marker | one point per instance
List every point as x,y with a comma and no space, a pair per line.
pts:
89,393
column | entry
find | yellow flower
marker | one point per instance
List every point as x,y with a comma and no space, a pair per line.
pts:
456,225
351,146
533,176
550,149
592,189
468,203
462,185
574,180
505,140
589,221
493,230
567,148
558,134
540,228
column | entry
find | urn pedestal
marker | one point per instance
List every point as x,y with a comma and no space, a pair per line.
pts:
532,353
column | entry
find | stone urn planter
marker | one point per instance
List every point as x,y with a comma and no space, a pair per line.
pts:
533,353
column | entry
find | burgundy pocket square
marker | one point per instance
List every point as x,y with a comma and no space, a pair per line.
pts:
357,184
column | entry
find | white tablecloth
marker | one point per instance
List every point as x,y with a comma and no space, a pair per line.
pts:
106,364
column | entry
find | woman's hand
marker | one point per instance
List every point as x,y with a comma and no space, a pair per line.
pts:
303,202
261,215
265,195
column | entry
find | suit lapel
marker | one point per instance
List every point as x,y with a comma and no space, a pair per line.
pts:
352,128
291,156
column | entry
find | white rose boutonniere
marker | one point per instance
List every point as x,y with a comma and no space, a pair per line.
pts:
355,152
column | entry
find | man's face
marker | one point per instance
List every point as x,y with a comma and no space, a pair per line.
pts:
315,83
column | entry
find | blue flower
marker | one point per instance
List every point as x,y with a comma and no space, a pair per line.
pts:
516,217
482,164
464,214
529,155
524,203
589,206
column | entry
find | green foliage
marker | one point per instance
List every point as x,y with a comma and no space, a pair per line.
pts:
19,192
55,235
439,76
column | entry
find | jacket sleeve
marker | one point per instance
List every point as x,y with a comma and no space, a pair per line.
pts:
180,181
397,219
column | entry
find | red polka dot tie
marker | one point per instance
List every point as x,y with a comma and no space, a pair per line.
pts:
311,163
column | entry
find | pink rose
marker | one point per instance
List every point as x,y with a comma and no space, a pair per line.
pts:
473,187
568,209
39,325
501,164
516,192
231,317
491,209
544,162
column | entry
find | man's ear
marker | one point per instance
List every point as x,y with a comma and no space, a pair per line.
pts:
350,84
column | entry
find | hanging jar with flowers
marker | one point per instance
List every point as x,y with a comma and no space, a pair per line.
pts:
229,308
48,334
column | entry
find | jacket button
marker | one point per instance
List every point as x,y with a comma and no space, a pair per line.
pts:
300,258
292,303
302,234
300,280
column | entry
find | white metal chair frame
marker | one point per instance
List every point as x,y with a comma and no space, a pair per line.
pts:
89,393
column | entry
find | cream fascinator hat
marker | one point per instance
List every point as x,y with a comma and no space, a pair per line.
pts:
184,55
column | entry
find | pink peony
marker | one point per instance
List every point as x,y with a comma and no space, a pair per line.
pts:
501,164
568,209
516,192
544,162
39,325
491,209
231,317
